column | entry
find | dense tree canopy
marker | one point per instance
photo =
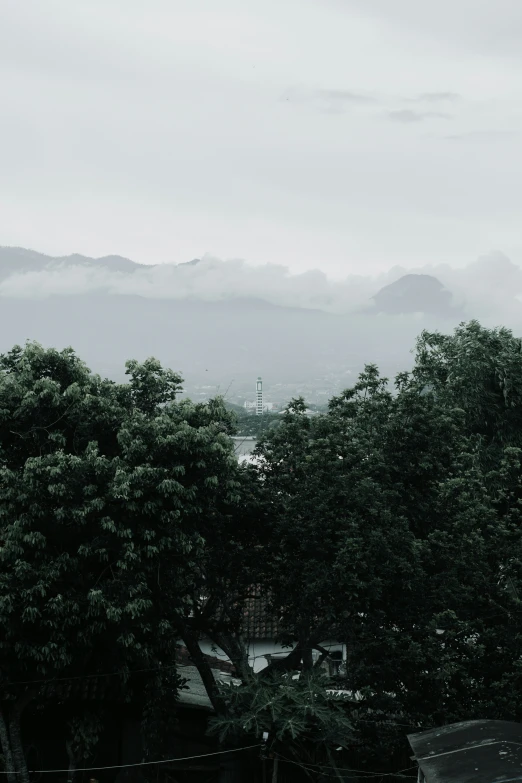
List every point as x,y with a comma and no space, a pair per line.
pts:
110,495
480,371
388,533
390,523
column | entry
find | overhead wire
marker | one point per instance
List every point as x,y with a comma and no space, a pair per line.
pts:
367,773
136,764
177,759
222,659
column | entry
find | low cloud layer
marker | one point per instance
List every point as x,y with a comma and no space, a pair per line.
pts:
484,136
340,101
490,288
408,116
437,97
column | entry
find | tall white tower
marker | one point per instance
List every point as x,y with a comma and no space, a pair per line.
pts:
259,397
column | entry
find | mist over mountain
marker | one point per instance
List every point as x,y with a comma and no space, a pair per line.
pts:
16,260
416,293
489,284
225,322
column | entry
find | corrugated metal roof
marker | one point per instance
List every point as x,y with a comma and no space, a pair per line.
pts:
477,751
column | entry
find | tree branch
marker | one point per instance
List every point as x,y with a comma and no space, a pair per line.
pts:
205,671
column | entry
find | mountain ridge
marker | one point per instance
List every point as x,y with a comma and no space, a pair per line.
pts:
212,342
409,294
19,259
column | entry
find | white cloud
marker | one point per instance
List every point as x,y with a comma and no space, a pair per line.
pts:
487,288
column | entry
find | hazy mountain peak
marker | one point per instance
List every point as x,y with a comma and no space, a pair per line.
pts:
190,263
414,293
16,260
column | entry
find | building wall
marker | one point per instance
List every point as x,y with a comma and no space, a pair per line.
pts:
260,648
256,652
267,406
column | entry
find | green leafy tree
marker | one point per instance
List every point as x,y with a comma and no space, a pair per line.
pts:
387,534
107,492
84,732
251,426
478,370
297,716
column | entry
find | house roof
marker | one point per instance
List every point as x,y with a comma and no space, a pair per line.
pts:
112,688
217,664
193,693
258,621
88,688
477,751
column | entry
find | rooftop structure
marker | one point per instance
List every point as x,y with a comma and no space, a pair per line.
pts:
475,751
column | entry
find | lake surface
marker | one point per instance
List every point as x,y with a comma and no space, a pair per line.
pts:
244,446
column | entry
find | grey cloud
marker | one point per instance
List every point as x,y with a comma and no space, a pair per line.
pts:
337,101
344,97
490,288
486,27
485,135
407,116
332,101
437,97
209,280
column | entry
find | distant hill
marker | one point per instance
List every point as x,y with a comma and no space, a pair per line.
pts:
218,345
18,259
414,293
207,341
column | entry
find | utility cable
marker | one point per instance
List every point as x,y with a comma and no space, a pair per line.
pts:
138,764
368,773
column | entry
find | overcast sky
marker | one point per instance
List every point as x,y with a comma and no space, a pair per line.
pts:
345,135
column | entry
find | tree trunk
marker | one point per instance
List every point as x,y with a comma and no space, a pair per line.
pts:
205,672
275,769
324,654
237,651
288,663
6,749
17,748
308,660
72,762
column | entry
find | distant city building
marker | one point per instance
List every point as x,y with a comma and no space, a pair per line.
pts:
259,397
267,406
259,406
